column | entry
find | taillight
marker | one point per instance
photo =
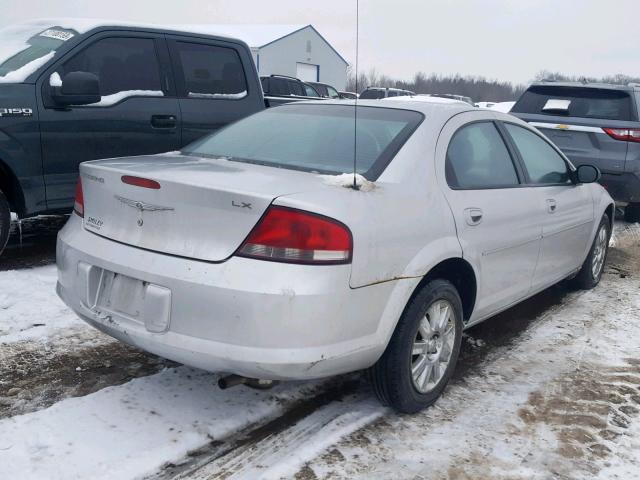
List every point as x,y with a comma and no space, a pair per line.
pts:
78,205
295,236
140,182
624,134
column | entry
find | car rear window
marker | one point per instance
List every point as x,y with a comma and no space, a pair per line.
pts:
576,102
314,138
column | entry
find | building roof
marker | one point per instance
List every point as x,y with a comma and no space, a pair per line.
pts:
258,36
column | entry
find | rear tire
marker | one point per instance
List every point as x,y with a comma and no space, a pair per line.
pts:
591,272
423,351
5,221
632,213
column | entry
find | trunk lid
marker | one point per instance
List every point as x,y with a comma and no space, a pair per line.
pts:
204,208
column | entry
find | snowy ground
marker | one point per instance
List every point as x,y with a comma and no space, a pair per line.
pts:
549,389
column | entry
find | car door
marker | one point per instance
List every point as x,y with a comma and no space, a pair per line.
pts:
567,207
495,214
137,114
212,84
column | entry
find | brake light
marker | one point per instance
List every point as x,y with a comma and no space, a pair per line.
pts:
140,182
294,236
78,204
624,134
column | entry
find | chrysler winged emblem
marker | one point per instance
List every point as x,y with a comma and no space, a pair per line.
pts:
142,207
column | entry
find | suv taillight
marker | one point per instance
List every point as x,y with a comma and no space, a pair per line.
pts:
78,205
295,236
624,134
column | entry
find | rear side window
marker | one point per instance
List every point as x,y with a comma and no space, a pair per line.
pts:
577,102
372,94
296,88
544,165
314,138
211,71
322,90
478,158
332,92
122,65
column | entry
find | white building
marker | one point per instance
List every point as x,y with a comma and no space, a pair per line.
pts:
293,50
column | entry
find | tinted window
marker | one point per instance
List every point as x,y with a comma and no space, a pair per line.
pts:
392,93
478,158
296,88
543,163
581,102
310,91
332,92
372,94
121,64
322,90
211,71
314,138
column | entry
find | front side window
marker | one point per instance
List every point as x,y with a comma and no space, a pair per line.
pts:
210,71
123,66
310,91
543,163
314,138
478,158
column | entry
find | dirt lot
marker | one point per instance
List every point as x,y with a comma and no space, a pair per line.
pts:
549,389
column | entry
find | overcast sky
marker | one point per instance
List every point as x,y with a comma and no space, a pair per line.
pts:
503,39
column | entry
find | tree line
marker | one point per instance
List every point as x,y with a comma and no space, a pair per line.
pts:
480,89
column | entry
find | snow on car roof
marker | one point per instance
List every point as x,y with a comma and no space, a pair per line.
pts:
253,35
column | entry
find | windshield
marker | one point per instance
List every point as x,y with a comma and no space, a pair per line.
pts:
314,138
25,48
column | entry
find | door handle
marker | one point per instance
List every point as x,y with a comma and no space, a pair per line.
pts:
552,206
473,216
163,121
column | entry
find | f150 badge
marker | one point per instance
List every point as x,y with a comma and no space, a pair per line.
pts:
16,112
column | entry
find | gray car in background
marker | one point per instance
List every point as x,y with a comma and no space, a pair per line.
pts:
595,124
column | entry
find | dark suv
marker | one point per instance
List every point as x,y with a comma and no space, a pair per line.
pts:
593,124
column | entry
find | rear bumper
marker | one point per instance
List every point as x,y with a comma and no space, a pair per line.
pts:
249,317
622,188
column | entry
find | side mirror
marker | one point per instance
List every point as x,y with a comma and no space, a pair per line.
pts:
78,88
587,174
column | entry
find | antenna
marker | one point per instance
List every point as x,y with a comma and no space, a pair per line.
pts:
355,107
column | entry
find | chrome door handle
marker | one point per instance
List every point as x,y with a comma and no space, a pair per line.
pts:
552,206
473,216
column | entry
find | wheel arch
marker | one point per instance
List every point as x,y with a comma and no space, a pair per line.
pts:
10,186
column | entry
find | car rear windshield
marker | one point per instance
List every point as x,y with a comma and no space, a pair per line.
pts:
607,104
314,138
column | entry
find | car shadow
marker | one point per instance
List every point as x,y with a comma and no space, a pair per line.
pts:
32,242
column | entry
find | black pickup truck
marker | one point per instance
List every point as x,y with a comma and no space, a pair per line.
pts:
78,90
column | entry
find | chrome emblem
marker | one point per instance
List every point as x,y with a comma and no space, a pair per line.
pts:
142,207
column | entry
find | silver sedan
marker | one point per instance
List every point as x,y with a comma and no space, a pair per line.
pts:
257,251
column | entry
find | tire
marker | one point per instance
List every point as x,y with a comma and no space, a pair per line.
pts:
591,271
392,377
632,213
5,221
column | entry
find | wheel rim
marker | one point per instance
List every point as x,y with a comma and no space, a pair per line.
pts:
433,346
599,252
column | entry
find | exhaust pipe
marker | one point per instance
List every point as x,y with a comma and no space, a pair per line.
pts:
233,380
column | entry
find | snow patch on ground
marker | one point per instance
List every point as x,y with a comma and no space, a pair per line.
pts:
132,430
346,180
30,308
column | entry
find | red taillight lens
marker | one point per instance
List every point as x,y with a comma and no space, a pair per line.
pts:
140,182
624,134
294,236
78,205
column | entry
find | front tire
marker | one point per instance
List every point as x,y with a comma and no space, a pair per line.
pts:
5,221
632,213
592,268
423,351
